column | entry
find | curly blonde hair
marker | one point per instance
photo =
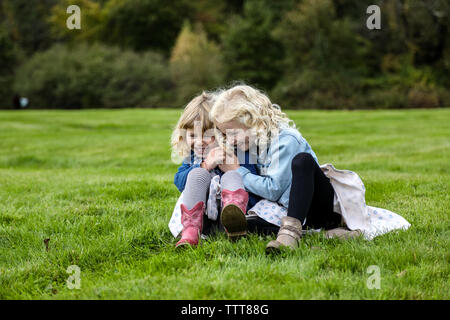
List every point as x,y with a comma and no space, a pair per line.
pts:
253,109
197,110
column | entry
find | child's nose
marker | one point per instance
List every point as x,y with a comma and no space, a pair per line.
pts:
207,141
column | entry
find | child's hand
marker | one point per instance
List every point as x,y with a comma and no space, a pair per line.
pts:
231,163
215,157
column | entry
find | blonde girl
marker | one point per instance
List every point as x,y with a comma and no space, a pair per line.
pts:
289,169
193,139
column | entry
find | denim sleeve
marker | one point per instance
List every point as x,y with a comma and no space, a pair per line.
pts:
181,175
278,175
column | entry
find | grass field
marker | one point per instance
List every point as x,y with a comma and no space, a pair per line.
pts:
99,185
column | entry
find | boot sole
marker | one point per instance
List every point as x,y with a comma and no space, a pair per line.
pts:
271,248
234,221
276,247
187,244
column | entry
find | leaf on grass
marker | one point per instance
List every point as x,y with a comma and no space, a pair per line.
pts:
401,274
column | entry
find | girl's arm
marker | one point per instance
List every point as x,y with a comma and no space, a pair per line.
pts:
278,176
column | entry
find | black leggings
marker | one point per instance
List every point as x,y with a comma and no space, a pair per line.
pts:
312,195
311,198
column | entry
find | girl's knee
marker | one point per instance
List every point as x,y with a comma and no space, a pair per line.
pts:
231,175
199,174
232,180
302,161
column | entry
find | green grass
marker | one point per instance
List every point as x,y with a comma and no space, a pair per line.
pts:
99,185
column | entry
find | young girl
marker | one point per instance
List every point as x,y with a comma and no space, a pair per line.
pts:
193,139
290,174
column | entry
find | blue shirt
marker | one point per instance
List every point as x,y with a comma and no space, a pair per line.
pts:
187,165
275,176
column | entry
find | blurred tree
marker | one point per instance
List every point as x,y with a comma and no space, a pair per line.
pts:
308,53
92,21
411,49
416,26
145,24
250,51
324,56
26,24
132,24
235,6
314,37
211,15
195,63
9,59
94,77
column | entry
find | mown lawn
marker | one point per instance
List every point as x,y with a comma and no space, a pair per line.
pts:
99,185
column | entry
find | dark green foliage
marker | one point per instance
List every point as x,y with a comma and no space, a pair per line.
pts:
250,52
334,61
9,58
26,23
305,53
324,57
93,77
144,24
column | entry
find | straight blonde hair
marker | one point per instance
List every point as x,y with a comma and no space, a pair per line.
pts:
197,110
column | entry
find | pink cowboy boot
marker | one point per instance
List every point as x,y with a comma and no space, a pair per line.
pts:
234,207
192,221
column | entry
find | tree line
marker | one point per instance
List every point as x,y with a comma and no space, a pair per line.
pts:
156,53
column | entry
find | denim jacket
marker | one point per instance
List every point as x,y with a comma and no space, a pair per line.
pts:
275,176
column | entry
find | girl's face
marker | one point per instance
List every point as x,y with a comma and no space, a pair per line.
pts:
201,142
237,134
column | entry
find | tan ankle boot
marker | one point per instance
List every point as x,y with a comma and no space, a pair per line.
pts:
342,233
289,234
